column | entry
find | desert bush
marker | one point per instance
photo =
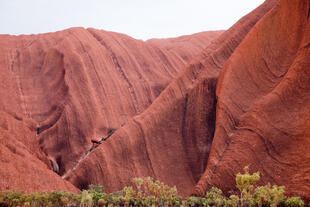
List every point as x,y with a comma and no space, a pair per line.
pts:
234,200
148,192
11,198
269,196
245,183
96,193
86,198
148,187
294,202
154,192
215,197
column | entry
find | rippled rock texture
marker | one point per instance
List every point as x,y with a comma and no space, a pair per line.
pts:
263,102
60,90
187,111
171,140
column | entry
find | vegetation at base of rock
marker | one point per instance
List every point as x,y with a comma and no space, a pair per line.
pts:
147,192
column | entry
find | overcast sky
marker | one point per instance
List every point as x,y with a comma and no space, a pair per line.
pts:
141,19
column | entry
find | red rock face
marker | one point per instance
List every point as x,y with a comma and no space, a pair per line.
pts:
23,165
185,45
243,101
263,103
170,140
60,90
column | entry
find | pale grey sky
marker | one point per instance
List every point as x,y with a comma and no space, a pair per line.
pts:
141,19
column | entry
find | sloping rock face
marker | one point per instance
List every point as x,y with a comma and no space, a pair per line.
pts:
170,140
23,165
187,44
263,102
59,90
243,101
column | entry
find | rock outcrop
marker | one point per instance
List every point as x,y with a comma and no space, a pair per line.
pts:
170,140
59,90
263,100
23,165
243,101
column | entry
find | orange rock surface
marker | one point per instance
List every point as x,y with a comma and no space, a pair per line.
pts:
263,114
171,139
59,90
188,111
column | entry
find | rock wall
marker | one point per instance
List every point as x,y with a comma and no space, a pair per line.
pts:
171,139
67,87
190,111
262,112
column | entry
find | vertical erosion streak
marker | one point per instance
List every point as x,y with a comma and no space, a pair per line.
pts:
119,69
15,75
95,70
184,119
91,61
129,85
151,168
308,11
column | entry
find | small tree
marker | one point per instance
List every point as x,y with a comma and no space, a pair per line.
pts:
245,183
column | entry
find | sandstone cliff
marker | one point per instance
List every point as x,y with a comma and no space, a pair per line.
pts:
171,140
59,90
263,104
188,111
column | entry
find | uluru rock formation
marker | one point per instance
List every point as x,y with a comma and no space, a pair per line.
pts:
263,105
190,111
60,90
171,139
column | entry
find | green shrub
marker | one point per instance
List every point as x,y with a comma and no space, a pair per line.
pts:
235,200
245,183
86,198
11,198
97,188
294,202
95,192
270,196
148,187
148,192
214,193
214,197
